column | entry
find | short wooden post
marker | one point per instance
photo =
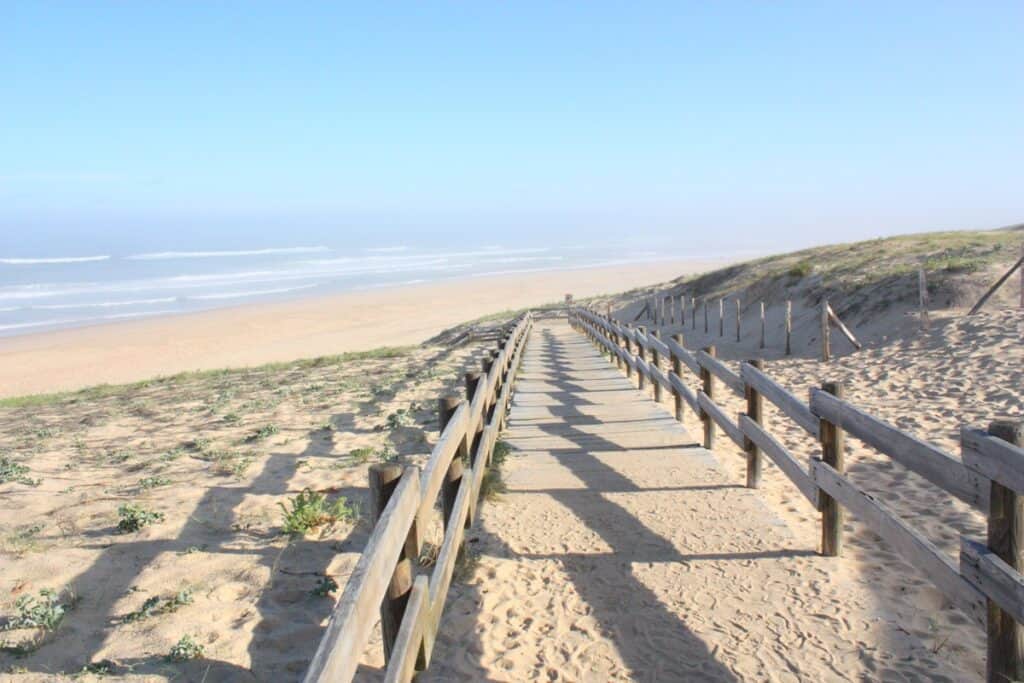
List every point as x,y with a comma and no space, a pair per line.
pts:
755,406
789,326
721,317
1006,540
486,363
682,308
656,362
737,320
384,479
693,311
826,342
641,353
833,452
705,316
708,385
671,310
629,350
922,296
677,368
618,345
762,325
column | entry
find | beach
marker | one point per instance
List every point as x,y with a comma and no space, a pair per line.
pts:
252,334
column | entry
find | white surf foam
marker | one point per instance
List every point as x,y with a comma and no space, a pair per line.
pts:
163,255
51,260
257,292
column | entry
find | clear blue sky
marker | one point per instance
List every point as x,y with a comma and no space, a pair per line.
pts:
763,124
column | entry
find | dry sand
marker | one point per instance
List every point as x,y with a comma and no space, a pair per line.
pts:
261,333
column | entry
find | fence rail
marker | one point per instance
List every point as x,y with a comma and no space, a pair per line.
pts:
987,585
410,609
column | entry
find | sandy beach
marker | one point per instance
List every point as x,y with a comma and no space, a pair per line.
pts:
261,333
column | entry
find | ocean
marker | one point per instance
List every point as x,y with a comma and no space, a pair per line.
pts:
48,292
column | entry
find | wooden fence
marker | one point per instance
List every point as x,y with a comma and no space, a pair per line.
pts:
661,309
384,581
986,584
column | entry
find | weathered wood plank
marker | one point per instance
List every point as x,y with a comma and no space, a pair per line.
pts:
993,458
355,615
684,355
781,457
719,370
993,577
917,550
686,392
718,415
787,403
927,460
404,655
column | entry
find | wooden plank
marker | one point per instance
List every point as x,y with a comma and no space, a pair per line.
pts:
788,404
718,415
917,550
931,462
993,458
781,457
355,615
842,328
993,577
402,666
719,370
686,392
683,355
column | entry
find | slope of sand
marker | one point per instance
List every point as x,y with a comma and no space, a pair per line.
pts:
261,333
623,552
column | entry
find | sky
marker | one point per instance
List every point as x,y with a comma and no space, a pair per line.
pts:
128,125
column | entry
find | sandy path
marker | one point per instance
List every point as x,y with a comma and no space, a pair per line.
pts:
623,552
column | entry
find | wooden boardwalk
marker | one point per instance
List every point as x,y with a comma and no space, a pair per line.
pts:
621,551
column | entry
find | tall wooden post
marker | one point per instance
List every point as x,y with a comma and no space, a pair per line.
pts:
737,320
671,310
922,296
617,340
705,316
656,362
754,412
826,342
677,368
789,326
1005,539
693,310
833,452
641,352
762,325
384,480
721,317
708,385
682,308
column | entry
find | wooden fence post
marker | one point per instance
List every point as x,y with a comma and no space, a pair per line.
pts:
671,310
922,296
826,342
384,478
1006,540
656,362
682,308
737,320
693,310
721,317
755,410
641,353
629,350
833,452
762,325
677,368
453,477
705,316
708,384
789,326
618,344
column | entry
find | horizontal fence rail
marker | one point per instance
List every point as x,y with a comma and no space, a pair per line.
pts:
382,584
987,585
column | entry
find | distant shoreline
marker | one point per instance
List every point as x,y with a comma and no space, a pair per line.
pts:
323,324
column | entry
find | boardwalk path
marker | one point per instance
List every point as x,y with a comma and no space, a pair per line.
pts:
622,552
